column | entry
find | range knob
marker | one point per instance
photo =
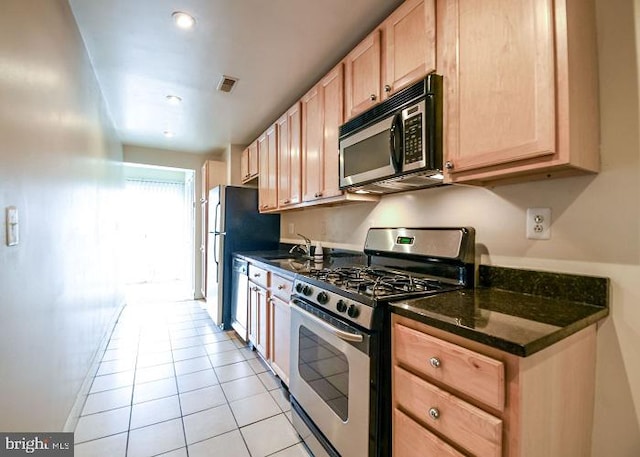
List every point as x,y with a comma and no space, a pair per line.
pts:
299,287
353,311
323,298
341,306
307,290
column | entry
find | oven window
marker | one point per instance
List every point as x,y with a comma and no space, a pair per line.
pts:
326,370
367,155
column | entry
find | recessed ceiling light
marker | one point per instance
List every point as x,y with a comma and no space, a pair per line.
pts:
168,133
174,99
183,20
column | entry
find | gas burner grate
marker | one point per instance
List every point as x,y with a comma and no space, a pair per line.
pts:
374,282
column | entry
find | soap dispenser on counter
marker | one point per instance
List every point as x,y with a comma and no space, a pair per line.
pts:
317,253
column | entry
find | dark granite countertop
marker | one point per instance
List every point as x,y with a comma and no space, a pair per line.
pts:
520,321
514,310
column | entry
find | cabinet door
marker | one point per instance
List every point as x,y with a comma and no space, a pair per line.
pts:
258,319
267,151
362,75
289,169
263,323
280,337
332,104
253,159
498,64
244,166
312,144
410,44
253,313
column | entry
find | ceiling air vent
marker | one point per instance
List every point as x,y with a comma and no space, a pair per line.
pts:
227,83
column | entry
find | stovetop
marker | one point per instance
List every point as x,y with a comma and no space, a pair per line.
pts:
377,283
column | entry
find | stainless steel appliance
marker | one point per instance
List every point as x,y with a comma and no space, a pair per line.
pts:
340,349
397,145
239,296
234,225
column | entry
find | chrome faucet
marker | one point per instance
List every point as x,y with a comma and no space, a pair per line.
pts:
306,249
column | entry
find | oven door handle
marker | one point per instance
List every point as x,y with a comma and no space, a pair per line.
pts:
346,336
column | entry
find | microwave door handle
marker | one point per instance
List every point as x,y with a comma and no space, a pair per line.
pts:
395,142
431,128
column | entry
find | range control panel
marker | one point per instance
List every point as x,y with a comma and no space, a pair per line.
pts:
350,310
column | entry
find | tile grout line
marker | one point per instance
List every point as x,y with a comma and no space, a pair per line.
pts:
133,390
175,379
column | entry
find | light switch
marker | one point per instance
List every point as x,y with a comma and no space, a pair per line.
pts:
12,226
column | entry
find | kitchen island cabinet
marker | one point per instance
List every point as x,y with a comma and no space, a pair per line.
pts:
521,89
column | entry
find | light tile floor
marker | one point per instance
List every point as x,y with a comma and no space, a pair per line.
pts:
173,384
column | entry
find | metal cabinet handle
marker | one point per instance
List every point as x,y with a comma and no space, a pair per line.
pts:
435,362
387,88
280,287
318,194
254,288
434,413
373,97
448,165
256,275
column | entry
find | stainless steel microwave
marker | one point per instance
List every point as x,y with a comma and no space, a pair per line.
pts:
396,145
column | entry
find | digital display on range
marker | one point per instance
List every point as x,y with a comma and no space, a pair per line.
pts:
405,240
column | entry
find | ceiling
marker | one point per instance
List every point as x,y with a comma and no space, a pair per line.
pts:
276,48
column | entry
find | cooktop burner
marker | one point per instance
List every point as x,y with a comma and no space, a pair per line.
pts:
377,282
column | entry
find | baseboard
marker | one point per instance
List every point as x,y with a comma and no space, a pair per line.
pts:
78,405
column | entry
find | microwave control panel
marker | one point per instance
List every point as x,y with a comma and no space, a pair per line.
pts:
413,146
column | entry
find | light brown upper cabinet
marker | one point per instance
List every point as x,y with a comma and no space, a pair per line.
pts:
268,179
322,109
521,89
409,37
249,162
289,162
363,75
398,53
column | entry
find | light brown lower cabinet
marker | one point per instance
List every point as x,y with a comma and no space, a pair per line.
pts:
270,317
540,405
280,337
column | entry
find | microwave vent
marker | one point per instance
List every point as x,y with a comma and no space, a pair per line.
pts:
227,83
401,183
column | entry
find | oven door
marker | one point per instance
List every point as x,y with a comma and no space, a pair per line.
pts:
330,377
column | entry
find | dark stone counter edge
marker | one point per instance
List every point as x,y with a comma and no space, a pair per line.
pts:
499,343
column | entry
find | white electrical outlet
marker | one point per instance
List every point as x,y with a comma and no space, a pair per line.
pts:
539,223
292,228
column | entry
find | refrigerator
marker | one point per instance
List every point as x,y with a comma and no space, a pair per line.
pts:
235,225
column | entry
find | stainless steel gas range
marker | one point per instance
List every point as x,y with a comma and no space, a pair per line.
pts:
340,333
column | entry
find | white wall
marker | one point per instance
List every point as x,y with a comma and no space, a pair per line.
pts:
184,160
595,229
60,164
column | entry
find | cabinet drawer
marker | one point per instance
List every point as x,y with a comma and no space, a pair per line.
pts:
281,287
466,371
476,431
411,439
258,276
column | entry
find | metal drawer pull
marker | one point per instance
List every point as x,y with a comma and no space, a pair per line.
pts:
435,362
280,287
256,275
354,337
434,413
